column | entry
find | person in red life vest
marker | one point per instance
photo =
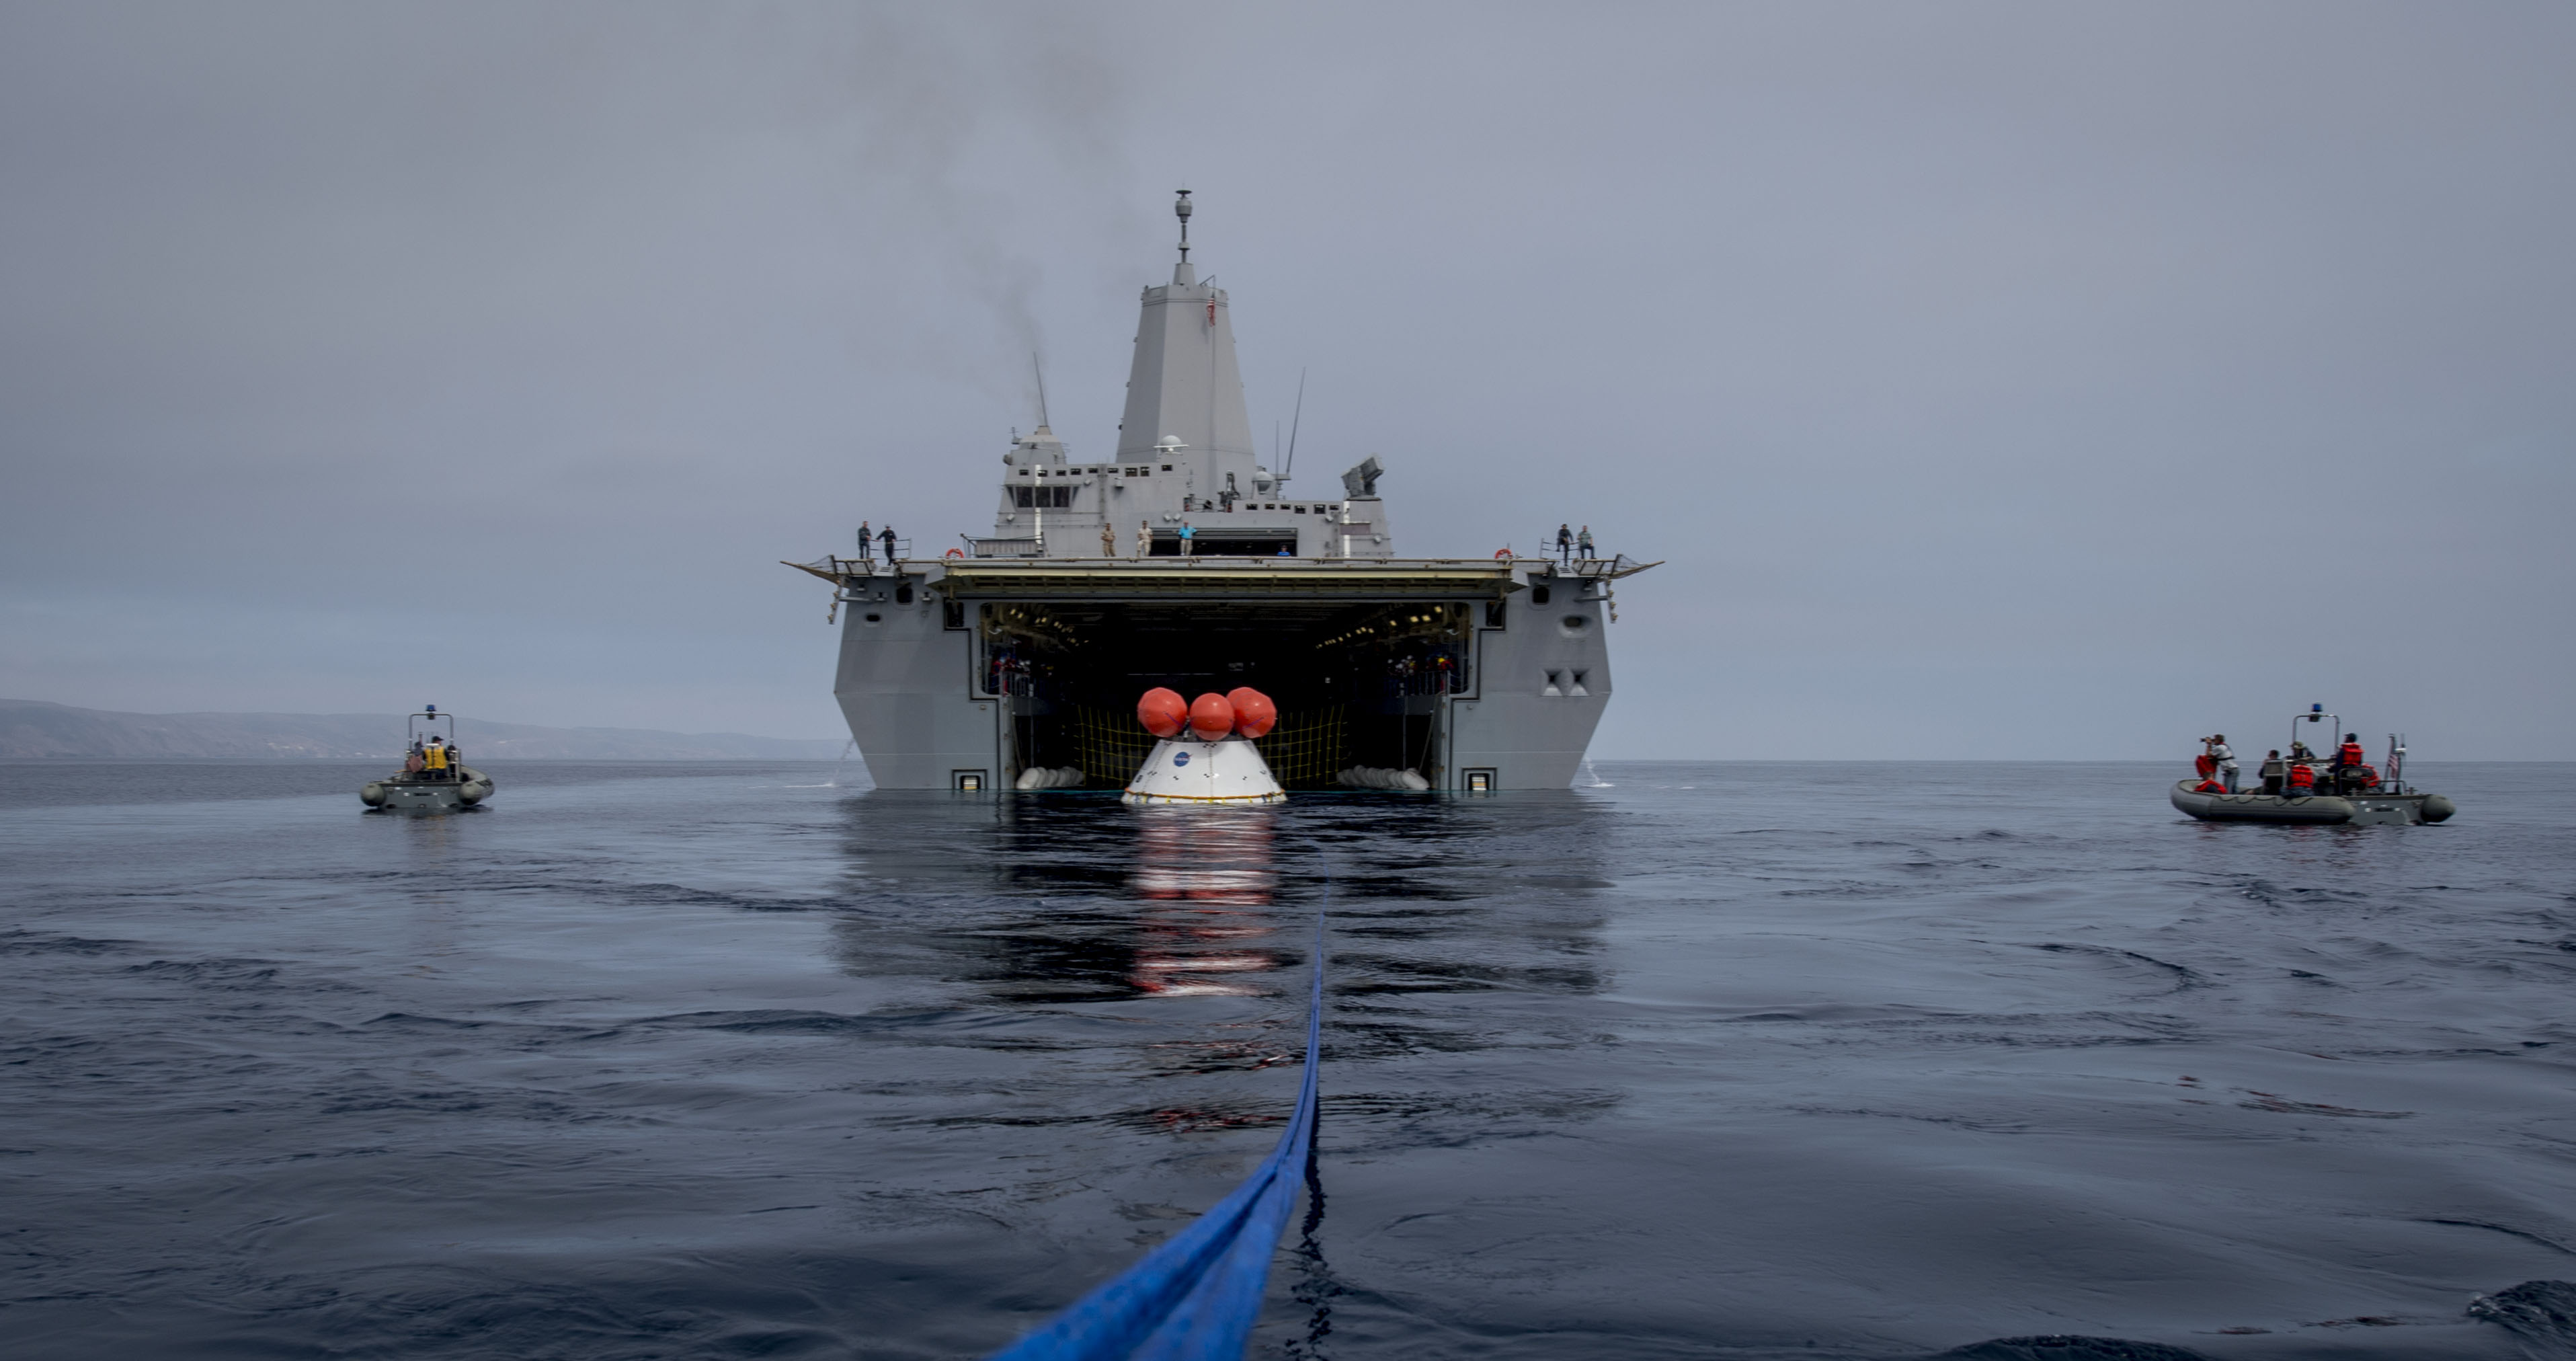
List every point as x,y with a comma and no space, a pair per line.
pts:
2347,762
2303,780
2210,786
2204,765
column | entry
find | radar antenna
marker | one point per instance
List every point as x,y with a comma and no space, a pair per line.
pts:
1181,210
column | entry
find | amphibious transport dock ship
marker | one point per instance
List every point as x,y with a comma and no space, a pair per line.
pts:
1182,562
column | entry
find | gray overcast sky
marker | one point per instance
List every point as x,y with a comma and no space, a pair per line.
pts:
2019,380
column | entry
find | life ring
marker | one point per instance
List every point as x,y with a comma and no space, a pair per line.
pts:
1502,552
954,553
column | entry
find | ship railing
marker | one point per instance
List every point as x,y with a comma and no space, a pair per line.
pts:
871,557
1611,568
1547,549
846,567
1003,548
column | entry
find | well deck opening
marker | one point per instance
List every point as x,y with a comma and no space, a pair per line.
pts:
1357,684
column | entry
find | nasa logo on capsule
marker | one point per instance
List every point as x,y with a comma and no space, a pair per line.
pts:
1180,758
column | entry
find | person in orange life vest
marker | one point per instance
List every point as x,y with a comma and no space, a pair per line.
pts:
2347,762
2204,765
2210,786
2303,780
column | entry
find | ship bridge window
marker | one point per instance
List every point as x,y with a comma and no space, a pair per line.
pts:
1167,467
1042,498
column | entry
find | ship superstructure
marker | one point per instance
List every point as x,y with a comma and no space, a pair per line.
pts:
1183,562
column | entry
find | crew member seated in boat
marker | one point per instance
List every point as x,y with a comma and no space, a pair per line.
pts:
2273,771
2302,780
414,762
434,759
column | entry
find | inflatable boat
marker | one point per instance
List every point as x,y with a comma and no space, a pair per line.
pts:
434,778
2343,795
2372,809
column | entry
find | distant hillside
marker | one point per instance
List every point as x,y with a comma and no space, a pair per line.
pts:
33,728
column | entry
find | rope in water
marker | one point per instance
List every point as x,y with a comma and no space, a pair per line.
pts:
1195,1297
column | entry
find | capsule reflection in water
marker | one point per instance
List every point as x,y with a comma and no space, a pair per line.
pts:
1201,871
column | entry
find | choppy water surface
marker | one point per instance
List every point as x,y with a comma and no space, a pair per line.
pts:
1720,1060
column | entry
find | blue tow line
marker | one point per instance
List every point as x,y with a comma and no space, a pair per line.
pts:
1194,1298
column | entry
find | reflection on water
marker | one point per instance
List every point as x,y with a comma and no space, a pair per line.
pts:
1205,880
1056,898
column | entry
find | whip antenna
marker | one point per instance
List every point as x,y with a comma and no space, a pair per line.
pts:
1298,416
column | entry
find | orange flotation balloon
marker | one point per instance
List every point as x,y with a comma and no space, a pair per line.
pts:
1254,714
1163,712
1210,717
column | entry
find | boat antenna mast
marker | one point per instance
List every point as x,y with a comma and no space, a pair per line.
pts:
1040,366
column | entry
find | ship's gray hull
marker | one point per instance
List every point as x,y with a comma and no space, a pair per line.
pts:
926,685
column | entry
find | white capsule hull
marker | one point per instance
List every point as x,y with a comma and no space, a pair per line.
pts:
1182,770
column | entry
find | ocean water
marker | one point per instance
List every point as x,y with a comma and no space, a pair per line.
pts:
1727,1060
